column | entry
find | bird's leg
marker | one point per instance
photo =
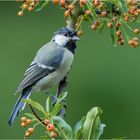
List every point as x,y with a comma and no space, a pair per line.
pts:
49,94
61,88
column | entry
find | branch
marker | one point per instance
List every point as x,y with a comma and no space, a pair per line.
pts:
75,13
33,111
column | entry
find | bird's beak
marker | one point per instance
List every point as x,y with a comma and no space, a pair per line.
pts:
75,38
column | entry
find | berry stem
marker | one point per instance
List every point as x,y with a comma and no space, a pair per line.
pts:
33,111
74,15
125,34
80,23
127,26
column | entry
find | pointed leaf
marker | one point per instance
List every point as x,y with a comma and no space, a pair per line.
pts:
92,127
58,106
113,36
78,129
48,104
31,116
62,96
36,105
41,5
64,130
117,3
102,26
124,8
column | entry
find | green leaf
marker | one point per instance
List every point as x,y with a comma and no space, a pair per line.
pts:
62,96
36,105
64,130
113,36
102,26
31,116
92,128
124,8
58,106
78,129
90,6
48,104
41,5
117,3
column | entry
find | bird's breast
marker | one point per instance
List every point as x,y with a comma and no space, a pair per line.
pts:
55,77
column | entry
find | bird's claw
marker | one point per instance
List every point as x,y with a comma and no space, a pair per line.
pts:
62,112
55,100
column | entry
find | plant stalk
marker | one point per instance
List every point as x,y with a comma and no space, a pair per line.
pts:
75,13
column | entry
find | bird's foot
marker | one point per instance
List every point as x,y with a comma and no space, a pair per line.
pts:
62,112
55,100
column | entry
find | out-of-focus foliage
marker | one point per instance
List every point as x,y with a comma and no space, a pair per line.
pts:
113,14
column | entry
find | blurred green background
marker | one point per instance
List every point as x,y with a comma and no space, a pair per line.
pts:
102,75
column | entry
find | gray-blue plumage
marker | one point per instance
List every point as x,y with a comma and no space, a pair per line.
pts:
42,65
49,67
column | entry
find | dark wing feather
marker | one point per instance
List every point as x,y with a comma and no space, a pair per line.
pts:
32,76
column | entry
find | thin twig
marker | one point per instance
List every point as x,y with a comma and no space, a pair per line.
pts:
33,111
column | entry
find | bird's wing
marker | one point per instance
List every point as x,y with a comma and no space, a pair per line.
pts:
47,60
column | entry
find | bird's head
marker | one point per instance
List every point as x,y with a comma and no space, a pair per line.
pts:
65,35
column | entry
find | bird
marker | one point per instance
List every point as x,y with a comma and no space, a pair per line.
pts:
49,67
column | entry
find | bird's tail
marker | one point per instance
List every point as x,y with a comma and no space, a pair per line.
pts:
19,105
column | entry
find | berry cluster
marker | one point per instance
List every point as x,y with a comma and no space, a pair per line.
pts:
101,13
50,128
25,122
27,5
114,14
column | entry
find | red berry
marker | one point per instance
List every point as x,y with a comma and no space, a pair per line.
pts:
136,31
46,121
23,124
83,2
67,13
135,44
79,33
27,134
29,121
53,135
20,13
135,38
50,127
24,6
30,8
31,130
130,42
27,1
56,1
88,12
104,13
110,25
93,26
118,33
62,3
23,119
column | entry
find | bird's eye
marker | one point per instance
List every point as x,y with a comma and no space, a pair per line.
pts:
65,34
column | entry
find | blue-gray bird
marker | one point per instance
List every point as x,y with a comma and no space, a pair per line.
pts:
49,67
